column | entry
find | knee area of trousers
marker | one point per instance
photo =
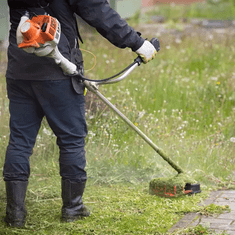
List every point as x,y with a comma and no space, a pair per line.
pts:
16,171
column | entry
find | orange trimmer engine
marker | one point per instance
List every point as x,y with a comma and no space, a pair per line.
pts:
38,30
40,35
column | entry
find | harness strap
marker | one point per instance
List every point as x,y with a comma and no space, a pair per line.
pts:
78,34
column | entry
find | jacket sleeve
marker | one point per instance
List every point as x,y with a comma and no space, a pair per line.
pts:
107,22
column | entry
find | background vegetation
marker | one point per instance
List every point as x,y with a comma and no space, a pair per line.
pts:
210,9
184,100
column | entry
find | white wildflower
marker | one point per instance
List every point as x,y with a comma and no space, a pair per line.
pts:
46,131
232,139
214,78
178,40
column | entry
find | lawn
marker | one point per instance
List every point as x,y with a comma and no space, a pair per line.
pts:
184,100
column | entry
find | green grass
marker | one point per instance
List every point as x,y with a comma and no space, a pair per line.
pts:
116,209
183,100
201,10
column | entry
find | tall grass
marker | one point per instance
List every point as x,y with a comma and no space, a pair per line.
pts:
184,100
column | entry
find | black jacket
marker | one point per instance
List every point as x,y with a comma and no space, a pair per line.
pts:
97,13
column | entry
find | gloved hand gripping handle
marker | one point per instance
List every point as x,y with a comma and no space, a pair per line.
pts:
113,79
155,43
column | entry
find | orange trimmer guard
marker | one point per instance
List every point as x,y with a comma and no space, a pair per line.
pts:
174,191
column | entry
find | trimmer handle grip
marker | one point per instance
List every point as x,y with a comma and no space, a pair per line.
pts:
155,43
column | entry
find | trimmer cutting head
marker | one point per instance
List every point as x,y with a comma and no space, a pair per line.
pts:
174,187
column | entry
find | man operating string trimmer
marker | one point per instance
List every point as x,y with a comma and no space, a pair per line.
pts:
38,87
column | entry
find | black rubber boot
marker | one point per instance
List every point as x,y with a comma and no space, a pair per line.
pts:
15,210
73,207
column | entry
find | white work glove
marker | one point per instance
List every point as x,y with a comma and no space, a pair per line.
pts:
147,51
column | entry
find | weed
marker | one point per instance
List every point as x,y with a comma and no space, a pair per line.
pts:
214,209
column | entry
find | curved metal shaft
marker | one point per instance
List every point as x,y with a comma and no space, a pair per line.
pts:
120,78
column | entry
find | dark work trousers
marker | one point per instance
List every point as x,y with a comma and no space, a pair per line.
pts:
64,110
